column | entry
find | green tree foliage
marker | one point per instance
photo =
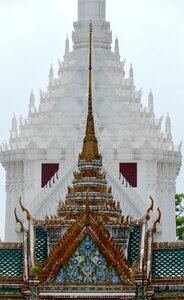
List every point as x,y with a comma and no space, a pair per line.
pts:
180,216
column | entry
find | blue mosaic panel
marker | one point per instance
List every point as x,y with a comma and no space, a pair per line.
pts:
11,262
133,246
87,266
168,262
41,244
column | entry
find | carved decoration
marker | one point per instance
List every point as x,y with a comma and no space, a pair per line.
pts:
157,221
62,252
19,221
168,245
11,245
149,209
25,210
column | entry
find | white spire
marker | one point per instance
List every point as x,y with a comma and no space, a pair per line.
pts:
32,102
67,46
150,101
14,124
94,10
131,73
116,49
91,9
60,68
51,72
32,99
168,126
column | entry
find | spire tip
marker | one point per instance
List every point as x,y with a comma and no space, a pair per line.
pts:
90,144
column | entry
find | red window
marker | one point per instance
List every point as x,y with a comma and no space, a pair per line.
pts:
129,171
47,172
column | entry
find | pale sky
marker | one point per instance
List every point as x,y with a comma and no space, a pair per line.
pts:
32,36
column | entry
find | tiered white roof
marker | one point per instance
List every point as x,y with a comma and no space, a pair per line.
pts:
121,120
126,130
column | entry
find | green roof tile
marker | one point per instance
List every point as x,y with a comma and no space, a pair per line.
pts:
11,262
133,247
168,262
41,244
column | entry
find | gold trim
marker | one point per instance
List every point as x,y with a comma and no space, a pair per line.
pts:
149,209
25,210
157,221
18,221
90,144
168,245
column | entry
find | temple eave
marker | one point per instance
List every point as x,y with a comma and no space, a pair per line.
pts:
89,295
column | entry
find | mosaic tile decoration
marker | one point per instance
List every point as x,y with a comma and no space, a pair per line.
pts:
88,266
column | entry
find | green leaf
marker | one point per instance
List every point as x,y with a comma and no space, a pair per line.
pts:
179,200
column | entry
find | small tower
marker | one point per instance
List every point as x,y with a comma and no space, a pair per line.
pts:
150,101
131,74
14,128
60,68
91,9
168,126
67,47
32,107
51,73
94,10
116,48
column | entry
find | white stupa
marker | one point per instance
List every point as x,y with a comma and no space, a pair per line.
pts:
43,148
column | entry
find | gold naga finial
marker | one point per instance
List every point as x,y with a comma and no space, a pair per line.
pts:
134,271
149,209
157,221
18,221
24,209
90,144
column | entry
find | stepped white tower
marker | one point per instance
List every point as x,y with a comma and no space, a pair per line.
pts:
139,158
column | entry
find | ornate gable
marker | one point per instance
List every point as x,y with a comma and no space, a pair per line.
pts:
88,266
87,232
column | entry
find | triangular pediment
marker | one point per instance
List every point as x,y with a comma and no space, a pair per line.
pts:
87,265
71,248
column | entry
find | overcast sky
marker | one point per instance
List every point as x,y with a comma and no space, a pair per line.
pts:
32,36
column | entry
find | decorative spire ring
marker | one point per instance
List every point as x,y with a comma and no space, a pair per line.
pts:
90,144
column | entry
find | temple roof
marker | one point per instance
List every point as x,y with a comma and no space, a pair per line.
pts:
89,176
